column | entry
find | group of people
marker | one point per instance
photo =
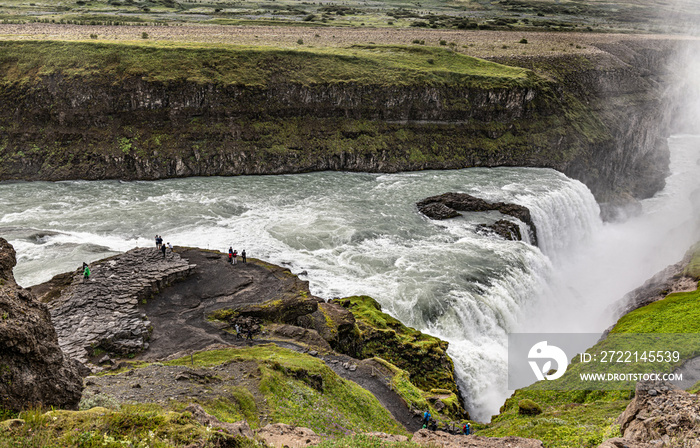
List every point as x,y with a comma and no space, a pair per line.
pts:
162,247
431,424
233,255
248,334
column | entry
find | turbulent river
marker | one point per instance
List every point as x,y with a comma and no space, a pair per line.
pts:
350,233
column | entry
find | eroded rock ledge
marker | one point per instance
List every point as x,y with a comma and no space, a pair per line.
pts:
448,205
103,312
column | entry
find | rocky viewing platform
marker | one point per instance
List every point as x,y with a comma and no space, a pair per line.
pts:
102,311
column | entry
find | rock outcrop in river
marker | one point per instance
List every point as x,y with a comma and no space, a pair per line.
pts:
447,205
33,369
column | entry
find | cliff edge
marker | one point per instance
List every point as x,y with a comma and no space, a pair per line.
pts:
33,369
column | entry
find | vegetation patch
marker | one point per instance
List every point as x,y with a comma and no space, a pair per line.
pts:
422,356
301,390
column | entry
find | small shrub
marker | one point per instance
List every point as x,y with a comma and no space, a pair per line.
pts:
97,400
93,36
443,42
144,35
300,41
309,18
505,47
523,41
390,22
431,61
528,407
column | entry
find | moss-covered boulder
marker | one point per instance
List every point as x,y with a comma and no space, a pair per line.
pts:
529,407
424,357
336,325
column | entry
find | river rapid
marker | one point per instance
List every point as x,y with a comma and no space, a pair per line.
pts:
357,233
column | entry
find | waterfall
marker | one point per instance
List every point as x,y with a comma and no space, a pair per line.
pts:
360,233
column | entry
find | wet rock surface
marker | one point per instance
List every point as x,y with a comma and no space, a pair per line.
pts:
462,202
102,311
503,228
33,369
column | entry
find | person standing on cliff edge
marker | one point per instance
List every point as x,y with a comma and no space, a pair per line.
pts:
243,259
162,249
86,272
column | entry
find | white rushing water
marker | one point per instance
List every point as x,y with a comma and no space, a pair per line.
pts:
361,234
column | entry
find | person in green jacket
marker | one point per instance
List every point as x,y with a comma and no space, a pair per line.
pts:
86,271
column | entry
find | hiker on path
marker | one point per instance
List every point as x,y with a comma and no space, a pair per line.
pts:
162,249
159,241
230,254
238,332
466,429
426,419
235,254
249,335
86,272
170,246
243,256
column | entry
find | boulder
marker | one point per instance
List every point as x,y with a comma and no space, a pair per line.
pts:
528,407
387,437
285,310
280,435
33,369
237,429
336,325
659,413
621,442
503,228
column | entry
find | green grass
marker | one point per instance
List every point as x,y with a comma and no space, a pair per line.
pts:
251,66
290,381
422,356
361,441
134,426
583,418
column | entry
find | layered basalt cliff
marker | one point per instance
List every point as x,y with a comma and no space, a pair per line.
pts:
600,119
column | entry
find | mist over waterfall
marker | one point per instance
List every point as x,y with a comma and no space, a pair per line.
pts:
353,233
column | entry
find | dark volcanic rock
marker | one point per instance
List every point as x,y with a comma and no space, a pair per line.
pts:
505,229
467,203
33,369
103,311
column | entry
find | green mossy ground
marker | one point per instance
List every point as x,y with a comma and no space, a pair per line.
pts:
133,426
293,388
27,61
422,356
340,406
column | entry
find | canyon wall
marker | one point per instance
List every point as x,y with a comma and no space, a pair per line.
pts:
600,118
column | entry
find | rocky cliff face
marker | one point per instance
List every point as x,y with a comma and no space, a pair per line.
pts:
33,369
600,119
